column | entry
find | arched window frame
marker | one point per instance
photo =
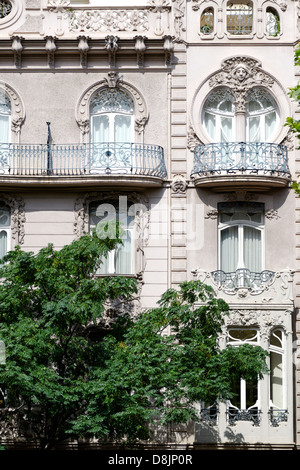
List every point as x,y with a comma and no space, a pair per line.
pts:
17,112
110,114
82,112
208,33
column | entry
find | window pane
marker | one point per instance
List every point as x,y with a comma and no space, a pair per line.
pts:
254,129
276,379
239,17
270,124
229,249
100,128
3,244
122,128
252,249
4,129
207,21
273,22
226,129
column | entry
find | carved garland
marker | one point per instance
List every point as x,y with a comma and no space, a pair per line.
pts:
112,81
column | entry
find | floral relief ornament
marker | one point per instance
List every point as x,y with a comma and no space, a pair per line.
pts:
241,74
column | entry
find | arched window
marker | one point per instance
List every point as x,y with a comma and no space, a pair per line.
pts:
5,8
239,17
5,117
241,237
218,115
272,22
111,115
207,21
4,230
262,115
122,259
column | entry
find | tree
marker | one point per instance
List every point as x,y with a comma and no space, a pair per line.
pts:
50,304
168,361
64,378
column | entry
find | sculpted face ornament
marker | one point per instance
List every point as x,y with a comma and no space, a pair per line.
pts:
240,73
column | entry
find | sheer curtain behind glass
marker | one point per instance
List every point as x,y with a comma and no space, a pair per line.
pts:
4,231
5,113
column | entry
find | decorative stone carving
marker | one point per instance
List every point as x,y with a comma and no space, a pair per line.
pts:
112,80
83,48
159,7
58,6
179,184
241,74
17,48
240,195
140,48
212,214
272,214
17,108
178,9
168,48
192,139
50,48
17,207
96,21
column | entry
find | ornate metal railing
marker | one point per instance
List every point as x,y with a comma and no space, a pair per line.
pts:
277,416
240,157
242,278
80,159
252,414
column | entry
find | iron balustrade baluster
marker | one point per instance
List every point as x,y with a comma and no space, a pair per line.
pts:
240,157
242,278
120,158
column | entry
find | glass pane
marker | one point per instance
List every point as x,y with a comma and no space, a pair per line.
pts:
251,393
210,124
229,249
276,379
207,21
124,255
270,124
273,22
252,249
239,17
254,129
276,338
226,129
243,335
4,129
100,128
122,128
3,244
111,100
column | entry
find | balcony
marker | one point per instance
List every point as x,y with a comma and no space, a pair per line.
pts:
240,165
106,164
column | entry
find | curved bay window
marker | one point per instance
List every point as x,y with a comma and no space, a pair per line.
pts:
239,17
121,260
245,404
241,242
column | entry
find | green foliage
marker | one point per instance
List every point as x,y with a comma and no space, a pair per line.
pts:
61,382
168,361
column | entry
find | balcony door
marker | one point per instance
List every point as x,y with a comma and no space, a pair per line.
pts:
111,115
5,124
241,242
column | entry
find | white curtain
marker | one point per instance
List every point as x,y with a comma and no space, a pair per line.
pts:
124,255
4,128
252,249
210,125
3,244
100,128
122,128
226,129
229,249
270,122
254,129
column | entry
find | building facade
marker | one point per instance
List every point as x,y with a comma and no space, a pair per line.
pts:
169,115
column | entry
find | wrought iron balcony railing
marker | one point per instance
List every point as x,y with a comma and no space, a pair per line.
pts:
242,278
240,157
83,159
